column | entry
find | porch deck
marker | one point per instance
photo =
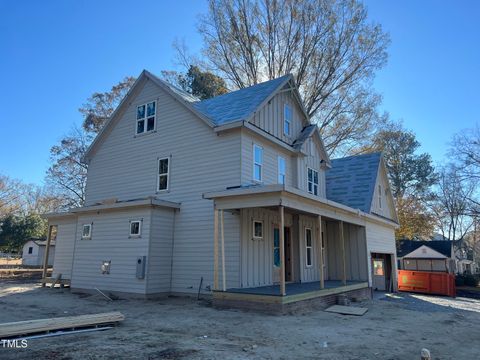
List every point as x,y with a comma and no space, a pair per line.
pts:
295,292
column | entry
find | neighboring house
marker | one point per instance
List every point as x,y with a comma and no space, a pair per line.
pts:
173,180
429,255
33,252
465,259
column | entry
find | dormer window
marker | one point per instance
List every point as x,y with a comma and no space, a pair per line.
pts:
146,117
287,119
312,177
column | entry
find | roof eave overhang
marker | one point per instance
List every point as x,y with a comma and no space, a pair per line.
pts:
276,195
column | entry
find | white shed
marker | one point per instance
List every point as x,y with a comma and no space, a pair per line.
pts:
34,252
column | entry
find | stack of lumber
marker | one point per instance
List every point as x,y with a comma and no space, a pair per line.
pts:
24,328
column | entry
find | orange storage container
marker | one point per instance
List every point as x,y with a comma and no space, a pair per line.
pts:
437,283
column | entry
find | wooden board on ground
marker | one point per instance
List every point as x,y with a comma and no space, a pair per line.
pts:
347,310
23,328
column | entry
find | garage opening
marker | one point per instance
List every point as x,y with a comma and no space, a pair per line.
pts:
382,279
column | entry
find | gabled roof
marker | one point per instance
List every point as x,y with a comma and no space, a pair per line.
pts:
405,247
351,180
239,104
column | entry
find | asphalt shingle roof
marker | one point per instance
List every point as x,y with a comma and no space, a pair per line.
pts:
351,180
405,247
239,104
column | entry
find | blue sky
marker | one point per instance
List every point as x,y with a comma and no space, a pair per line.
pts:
55,54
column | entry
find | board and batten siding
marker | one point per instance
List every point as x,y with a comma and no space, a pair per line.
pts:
111,241
311,160
355,252
308,273
64,246
257,254
380,239
125,167
387,208
271,116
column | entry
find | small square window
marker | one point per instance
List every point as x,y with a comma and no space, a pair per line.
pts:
87,231
257,229
30,250
135,228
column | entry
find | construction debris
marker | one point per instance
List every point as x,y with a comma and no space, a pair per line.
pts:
40,326
347,310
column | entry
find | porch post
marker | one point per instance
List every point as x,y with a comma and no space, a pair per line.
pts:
45,256
320,252
342,242
282,251
224,280
215,249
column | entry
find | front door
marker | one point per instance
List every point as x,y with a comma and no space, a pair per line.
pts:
276,255
379,281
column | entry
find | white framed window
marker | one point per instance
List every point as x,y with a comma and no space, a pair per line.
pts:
257,229
135,228
312,179
257,163
380,196
163,180
87,231
287,119
308,247
281,170
146,114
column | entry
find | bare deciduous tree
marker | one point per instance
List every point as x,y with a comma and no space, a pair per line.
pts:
452,206
330,46
68,174
11,192
100,106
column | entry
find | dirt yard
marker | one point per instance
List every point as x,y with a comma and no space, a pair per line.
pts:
395,327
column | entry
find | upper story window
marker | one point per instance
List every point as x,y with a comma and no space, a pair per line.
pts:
30,250
312,181
308,247
257,163
281,170
146,117
287,119
163,174
380,196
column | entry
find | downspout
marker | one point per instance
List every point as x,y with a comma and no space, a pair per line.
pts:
172,252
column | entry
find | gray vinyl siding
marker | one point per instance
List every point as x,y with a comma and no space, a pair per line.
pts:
270,117
64,247
125,167
271,153
160,251
111,241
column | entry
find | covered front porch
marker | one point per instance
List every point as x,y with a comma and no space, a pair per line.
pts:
292,247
